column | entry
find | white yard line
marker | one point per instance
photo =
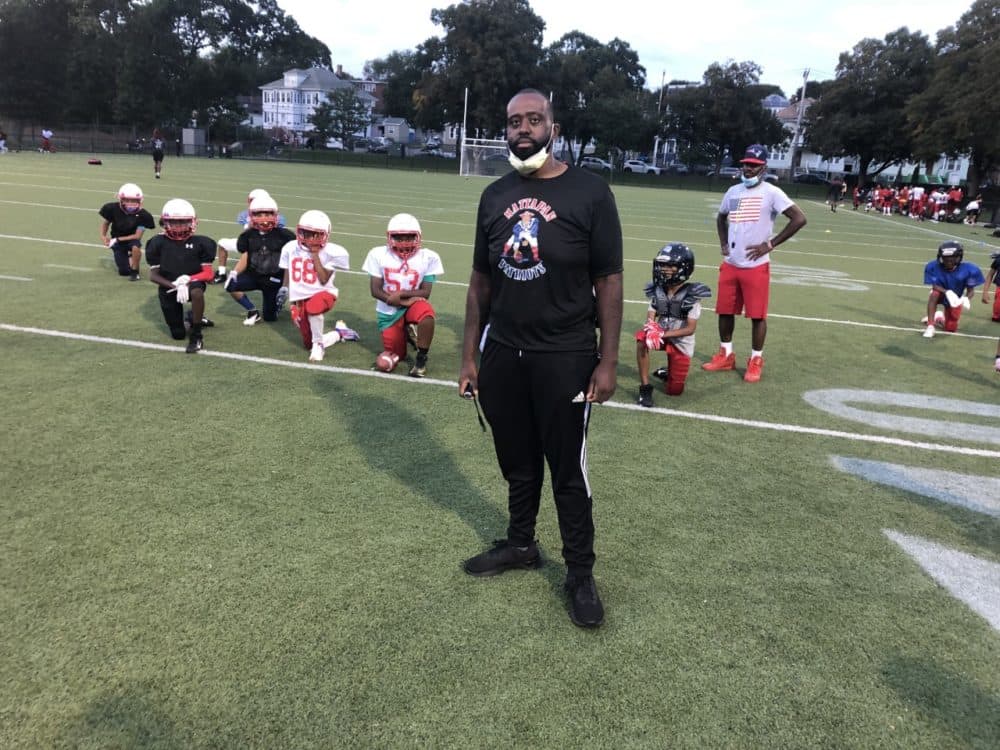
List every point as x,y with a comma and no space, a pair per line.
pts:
751,423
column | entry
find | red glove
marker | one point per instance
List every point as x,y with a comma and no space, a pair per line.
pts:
654,335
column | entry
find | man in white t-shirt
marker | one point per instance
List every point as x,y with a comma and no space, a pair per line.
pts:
744,223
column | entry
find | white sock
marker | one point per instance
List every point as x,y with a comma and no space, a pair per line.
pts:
756,353
316,327
330,338
727,347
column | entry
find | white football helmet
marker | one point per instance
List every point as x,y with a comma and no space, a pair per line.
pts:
130,197
257,193
179,219
263,213
403,235
313,230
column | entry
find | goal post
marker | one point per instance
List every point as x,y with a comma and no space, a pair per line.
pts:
484,157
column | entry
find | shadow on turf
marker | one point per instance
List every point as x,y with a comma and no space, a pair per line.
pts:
914,357
947,699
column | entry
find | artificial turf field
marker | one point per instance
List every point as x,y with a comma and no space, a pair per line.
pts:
243,549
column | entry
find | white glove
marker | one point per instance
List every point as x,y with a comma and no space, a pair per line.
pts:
182,280
281,298
964,302
952,298
111,241
929,332
230,279
183,294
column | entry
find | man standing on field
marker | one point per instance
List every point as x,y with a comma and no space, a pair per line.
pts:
745,222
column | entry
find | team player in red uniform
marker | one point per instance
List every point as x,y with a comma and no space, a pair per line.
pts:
310,262
180,263
402,273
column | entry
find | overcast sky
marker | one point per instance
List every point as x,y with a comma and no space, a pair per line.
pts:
676,38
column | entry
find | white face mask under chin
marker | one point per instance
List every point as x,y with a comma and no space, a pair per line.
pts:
750,181
533,163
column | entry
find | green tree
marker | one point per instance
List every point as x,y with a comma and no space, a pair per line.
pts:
863,112
402,73
964,76
342,115
491,47
722,116
598,92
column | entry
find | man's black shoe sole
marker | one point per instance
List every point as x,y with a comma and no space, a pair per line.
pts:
526,565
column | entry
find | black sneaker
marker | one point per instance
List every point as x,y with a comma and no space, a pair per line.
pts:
661,373
134,276
205,322
585,608
195,344
646,395
503,557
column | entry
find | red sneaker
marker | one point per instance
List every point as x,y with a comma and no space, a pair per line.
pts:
720,361
754,367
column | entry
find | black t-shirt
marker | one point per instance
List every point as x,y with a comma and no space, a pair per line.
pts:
176,258
124,224
543,243
264,249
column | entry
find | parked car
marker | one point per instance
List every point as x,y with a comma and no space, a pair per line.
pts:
598,165
809,178
639,167
335,144
678,168
730,172
771,177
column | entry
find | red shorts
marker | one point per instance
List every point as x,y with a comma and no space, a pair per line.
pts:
744,289
394,337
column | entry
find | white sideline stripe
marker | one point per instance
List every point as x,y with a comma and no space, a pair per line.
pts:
853,436
68,268
15,278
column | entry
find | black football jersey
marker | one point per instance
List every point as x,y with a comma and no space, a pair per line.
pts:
264,249
176,257
123,224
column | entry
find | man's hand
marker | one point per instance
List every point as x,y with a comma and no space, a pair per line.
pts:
758,251
602,382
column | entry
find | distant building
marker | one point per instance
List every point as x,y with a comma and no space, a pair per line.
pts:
290,101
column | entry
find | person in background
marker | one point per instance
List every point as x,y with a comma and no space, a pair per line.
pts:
157,144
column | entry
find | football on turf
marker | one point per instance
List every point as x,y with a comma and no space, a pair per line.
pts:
387,361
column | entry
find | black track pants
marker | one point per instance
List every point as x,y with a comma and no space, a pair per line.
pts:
535,407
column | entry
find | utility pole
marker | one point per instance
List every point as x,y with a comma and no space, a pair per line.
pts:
798,123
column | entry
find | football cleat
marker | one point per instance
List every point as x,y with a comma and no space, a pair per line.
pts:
419,368
253,317
316,355
929,332
661,373
195,344
754,367
346,334
720,361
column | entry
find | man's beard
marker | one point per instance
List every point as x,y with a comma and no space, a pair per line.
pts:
522,150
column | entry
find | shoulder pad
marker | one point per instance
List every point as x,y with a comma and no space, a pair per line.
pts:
698,290
650,289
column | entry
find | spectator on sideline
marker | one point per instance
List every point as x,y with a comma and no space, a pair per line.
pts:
401,275
541,367
952,283
744,224
671,319
122,225
46,146
972,210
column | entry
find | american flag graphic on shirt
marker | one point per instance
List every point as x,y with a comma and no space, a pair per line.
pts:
748,209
